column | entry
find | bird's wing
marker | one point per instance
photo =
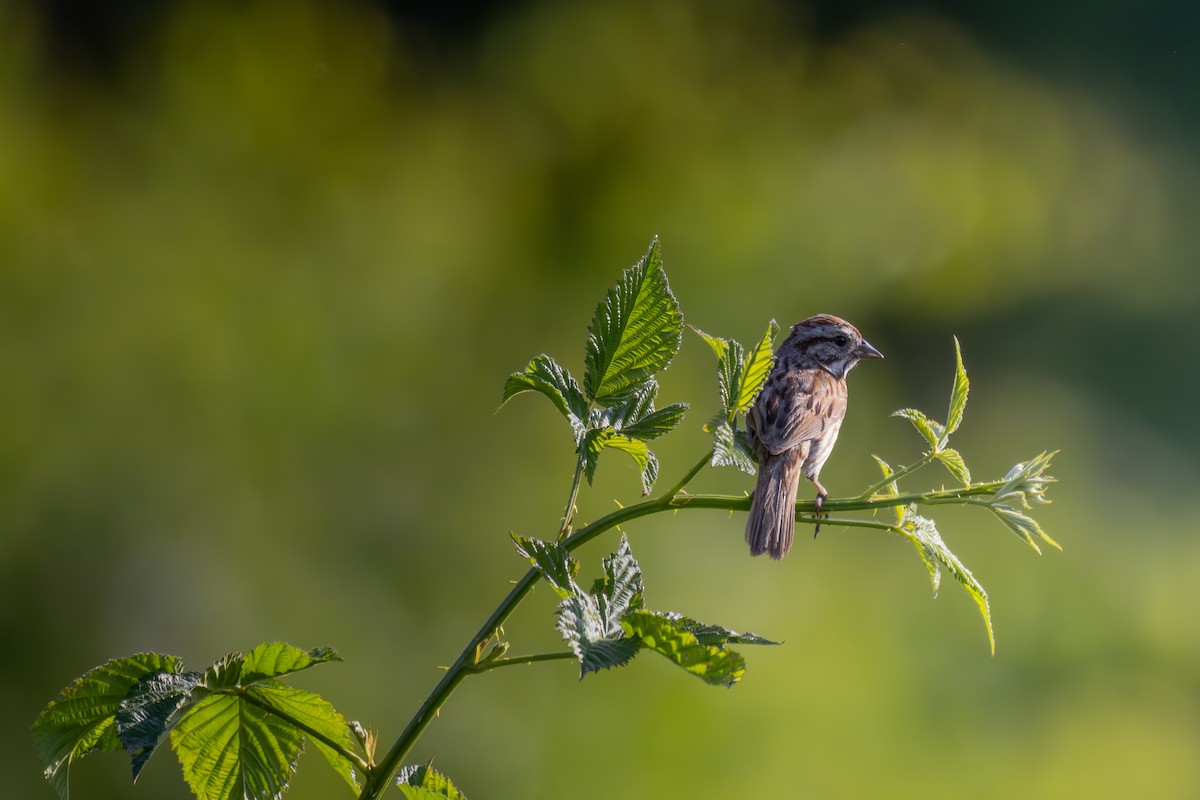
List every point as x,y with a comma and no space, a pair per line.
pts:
799,411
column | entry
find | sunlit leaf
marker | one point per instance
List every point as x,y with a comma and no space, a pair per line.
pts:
553,560
958,395
315,716
954,462
730,363
82,718
635,331
931,430
423,782
230,749
757,366
934,554
273,659
712,663
711,634
892,488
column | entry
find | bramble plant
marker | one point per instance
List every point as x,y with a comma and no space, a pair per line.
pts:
237,727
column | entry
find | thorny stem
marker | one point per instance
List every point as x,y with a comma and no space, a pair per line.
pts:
673,499
900,473
496,663
568,514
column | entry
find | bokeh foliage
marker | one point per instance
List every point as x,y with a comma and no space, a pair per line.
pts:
257,291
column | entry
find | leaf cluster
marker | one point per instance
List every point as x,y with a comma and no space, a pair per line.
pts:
635,333
609,624
236,728
740,377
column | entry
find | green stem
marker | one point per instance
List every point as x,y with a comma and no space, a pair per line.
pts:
358,761
568,514
465,663
497,663
900,473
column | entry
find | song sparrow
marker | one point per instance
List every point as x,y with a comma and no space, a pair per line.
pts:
795,421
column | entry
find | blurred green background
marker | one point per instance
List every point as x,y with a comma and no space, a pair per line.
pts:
264,268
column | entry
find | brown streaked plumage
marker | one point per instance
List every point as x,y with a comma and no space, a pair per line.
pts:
795,421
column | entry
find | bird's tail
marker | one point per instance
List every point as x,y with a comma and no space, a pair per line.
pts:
772,522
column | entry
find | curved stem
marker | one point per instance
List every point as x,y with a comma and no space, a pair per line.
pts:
672,499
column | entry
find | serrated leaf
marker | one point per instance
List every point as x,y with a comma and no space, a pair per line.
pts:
423,782
622,589
315,716
150,710
953,461
273,659
553,560
591,622
756,368
730,363
892,487
958,394
598,643
711,634
656,423
544,375
1024,526
635,332
930,429
731,449
230,749
711,663
597,440
82,718
934,554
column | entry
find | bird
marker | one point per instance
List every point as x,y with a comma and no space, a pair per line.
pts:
795,421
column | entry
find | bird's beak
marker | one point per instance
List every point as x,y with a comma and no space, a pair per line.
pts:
866,351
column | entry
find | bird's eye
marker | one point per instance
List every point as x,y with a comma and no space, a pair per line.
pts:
840,340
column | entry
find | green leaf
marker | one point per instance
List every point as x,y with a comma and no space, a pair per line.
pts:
543,374
711,634
646,461
598,642
755,369
935,555
553,560
314,715
273,659
892,487
621,588
711,663
953,461
958,395
931,430
150,710
591,622
423,782
82,718
231,749
730,362
732,449
242,737
1023,525
635,332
